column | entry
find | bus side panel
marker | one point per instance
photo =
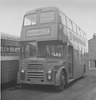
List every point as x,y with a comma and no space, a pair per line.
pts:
9,70
76,64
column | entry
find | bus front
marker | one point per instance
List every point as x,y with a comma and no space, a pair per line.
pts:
40,49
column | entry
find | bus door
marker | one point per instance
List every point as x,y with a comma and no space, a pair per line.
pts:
70,61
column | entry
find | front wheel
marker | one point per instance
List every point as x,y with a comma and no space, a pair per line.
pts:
62,82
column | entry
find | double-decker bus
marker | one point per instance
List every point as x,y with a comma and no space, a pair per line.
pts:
10,49
53,49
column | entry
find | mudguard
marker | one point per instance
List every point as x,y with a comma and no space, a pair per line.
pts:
57,81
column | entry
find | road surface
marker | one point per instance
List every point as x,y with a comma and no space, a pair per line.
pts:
82,89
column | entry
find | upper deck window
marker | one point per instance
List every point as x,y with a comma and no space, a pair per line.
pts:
30,19
46,17
78,31
74,27
69,23
63,18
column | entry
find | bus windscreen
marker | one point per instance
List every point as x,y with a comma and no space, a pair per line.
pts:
28,49
47,17
50,50
30,19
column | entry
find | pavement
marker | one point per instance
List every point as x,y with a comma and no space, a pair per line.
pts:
81,89
91,72
91,95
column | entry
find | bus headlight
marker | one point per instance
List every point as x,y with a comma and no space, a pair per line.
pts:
22,71
49,75
22,74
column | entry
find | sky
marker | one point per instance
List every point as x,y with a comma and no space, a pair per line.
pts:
82,12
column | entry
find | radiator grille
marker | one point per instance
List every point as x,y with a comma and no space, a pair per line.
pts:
35,71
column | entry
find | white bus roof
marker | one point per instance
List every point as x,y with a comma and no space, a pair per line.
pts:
8,36
41,9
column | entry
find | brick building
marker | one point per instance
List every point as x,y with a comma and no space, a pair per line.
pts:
92,52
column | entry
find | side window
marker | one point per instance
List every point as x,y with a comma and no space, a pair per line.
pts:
74,27
63,18
78,31
84,35
81,33
69,23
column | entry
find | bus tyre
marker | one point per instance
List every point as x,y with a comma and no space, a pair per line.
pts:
62,82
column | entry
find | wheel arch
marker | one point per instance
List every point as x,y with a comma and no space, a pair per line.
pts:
57,82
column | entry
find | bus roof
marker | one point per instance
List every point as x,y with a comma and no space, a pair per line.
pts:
9,37
41,9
